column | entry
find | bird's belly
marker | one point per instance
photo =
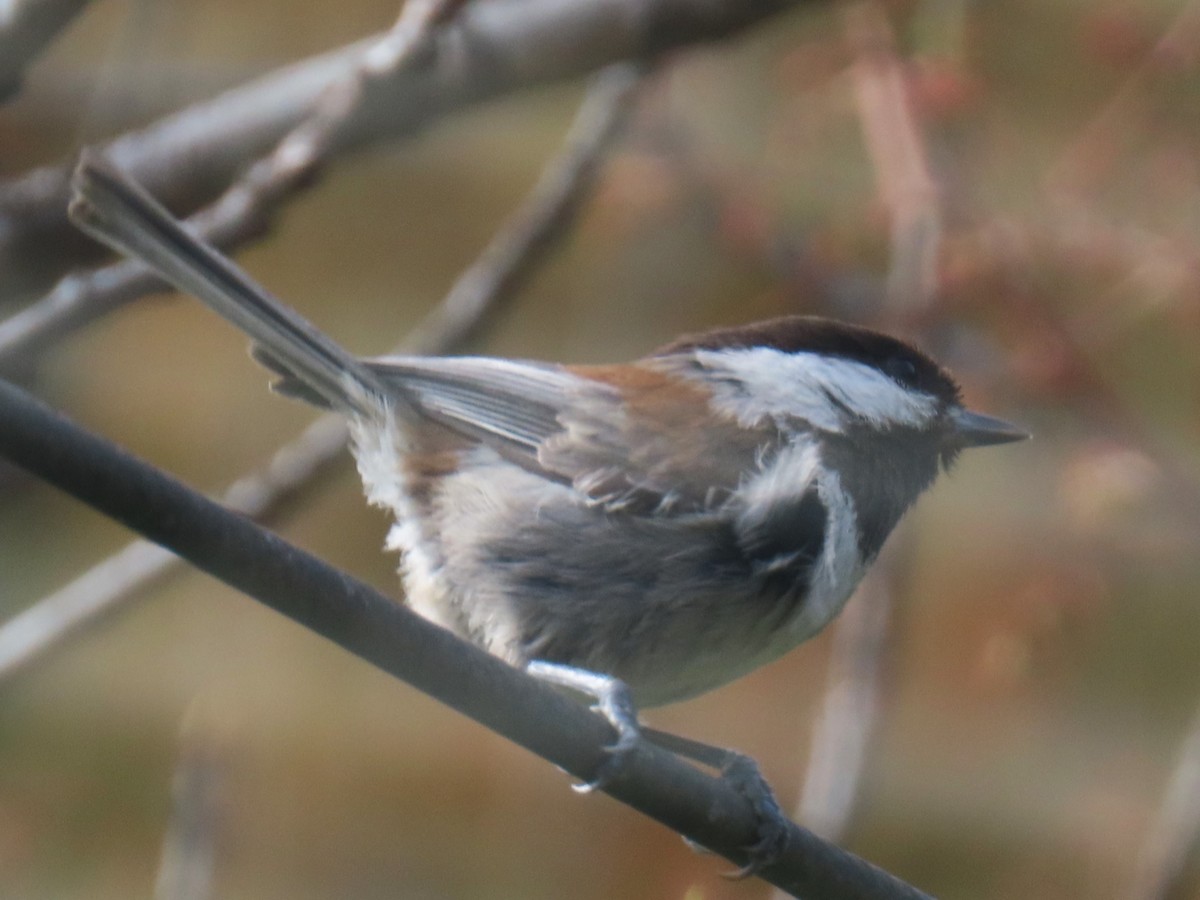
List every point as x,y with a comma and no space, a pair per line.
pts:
670,605
712,657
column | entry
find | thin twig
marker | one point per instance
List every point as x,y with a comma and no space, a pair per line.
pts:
532,231
491,49
103,588
186,870
709,811
73,303
852,704
482,290
250,202
1174,837
1114,124
27,28
897,151
853,698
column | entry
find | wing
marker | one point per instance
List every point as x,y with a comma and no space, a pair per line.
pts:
510,405
630,444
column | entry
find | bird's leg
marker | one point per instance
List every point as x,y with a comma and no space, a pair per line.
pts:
614,701
742,773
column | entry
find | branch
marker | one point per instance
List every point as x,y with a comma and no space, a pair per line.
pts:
491,49
1071,178
852,704
855,692
245,209
362,621
187,867
1173,840
897,150
525,240
480,293
27,27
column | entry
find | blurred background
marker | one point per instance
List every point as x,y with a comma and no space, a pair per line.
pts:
1014,184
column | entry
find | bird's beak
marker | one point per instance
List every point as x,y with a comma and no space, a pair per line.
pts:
977,430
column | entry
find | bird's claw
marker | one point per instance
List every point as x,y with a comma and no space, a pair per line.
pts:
774,828
614,761
613,700
615,703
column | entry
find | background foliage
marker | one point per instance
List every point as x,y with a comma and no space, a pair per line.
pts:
1042,665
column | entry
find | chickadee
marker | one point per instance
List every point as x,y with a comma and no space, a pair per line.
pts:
673,523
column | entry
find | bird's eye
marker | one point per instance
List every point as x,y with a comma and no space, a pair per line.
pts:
901,369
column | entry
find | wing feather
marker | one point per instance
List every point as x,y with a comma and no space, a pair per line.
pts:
512,405
583,427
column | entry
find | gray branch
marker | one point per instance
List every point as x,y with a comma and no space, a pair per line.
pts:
1172,842
246,207
27,28
490,49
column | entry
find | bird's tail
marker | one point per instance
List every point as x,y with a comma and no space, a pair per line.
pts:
114,209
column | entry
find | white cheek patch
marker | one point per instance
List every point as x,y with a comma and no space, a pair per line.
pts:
789,476
826,391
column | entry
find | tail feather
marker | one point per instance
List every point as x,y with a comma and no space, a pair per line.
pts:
118,212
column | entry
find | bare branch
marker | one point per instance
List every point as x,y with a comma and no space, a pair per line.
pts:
1173,839
479,294
489,50
189,852
523,242
57,617
244,210
852,703
27,27
73,303
853,697
706,810
897,151
1068,179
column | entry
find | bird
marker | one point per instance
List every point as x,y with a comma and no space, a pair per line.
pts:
642,532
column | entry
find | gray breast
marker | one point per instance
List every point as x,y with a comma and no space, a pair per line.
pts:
673,605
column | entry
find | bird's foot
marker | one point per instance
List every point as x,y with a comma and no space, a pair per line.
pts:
772,825
612,699
741,772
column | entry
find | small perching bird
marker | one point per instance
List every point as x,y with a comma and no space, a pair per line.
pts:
655,528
